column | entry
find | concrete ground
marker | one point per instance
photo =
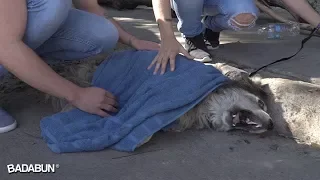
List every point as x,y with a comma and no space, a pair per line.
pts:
190,155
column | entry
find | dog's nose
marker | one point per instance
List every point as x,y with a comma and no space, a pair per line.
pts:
270,125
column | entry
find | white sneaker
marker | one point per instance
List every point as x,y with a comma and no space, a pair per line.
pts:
7,123
198,49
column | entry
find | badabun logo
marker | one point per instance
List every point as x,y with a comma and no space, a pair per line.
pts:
32,168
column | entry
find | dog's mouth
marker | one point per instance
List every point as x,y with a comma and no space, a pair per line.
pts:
244,123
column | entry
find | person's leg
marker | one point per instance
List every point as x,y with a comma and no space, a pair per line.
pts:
44,19
232,15
82,35
7,122
189,15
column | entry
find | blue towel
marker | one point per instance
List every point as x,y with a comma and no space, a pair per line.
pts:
148,103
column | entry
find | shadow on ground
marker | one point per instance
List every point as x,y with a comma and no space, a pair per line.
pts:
143,27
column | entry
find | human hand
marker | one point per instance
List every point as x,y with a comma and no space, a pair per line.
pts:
144,45
168,50
95,100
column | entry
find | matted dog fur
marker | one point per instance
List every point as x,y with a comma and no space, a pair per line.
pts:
238,105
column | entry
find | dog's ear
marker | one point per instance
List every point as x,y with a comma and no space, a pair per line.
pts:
241,77
256,80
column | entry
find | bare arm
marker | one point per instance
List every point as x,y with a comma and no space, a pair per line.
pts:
304,10
20,60
93,7
162,13
170,47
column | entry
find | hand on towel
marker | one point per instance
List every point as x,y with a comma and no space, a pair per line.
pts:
96,101
169,49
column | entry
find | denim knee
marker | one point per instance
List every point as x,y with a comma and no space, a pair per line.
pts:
101,33
82,35
233,15
105,37
44,19
189,15
241,15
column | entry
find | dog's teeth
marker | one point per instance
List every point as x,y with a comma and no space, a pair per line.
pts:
251,123
258,126
235,120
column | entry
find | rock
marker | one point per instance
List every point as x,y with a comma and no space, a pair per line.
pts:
295,109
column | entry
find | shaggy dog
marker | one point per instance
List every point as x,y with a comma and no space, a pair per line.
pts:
238,105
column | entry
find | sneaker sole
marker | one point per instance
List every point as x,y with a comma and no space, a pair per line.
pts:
8,128
212,48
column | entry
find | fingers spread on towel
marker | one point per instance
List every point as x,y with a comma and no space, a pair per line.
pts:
172,62
110,101
108,108
109,95
102,113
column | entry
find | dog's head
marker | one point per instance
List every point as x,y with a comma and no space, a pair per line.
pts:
248,113
234,107
242,103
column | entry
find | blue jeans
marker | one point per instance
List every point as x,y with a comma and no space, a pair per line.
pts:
56,31
219,14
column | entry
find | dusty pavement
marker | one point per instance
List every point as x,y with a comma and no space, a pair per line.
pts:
190,155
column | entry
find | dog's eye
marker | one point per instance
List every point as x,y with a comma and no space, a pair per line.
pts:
261,104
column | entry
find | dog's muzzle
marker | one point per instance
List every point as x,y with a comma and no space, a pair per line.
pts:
243,122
